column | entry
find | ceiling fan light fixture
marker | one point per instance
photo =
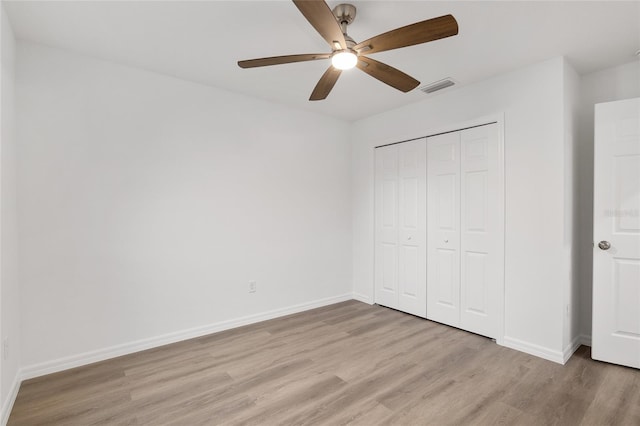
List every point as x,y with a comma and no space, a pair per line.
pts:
344,59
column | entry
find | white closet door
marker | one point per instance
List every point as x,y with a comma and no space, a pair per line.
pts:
443,228
412,230
465,239
480,244
386,226
400,227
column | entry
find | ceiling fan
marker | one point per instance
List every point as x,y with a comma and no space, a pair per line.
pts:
346,53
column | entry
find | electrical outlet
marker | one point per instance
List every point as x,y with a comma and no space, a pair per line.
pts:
252,287
5,348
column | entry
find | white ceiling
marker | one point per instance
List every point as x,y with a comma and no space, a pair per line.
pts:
201,41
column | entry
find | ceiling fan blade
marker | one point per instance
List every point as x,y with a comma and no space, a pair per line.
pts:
386,74
420,32
277,60
321,18
326,83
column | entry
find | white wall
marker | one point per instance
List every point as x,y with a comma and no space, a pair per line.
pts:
611,84
147,203
571,98
9,290
537,261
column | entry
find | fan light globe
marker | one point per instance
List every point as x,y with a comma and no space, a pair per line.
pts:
344,60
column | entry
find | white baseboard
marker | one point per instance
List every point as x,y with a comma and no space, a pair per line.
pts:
571,348
78,360
585,340
362,298
533,349
7,404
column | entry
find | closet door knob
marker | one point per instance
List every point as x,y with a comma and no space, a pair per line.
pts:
604,245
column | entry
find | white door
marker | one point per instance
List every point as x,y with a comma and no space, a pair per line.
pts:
616,256
480,233
443,228
400,227
386,226
412,229
465,230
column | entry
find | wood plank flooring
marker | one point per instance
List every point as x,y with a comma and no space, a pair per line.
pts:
348,363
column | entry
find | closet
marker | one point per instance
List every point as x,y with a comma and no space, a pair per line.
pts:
439,228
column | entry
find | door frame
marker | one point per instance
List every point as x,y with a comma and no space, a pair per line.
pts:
498,120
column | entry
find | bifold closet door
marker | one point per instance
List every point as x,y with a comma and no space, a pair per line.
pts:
400,227
386,226
443,241
464,249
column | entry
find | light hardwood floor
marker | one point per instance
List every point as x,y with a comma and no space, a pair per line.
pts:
348,363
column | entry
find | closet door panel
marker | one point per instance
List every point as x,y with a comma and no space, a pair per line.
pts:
480,203
443,219
445,267
386,226
412,224
474,297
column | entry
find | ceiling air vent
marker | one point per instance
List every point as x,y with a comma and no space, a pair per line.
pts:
438,85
